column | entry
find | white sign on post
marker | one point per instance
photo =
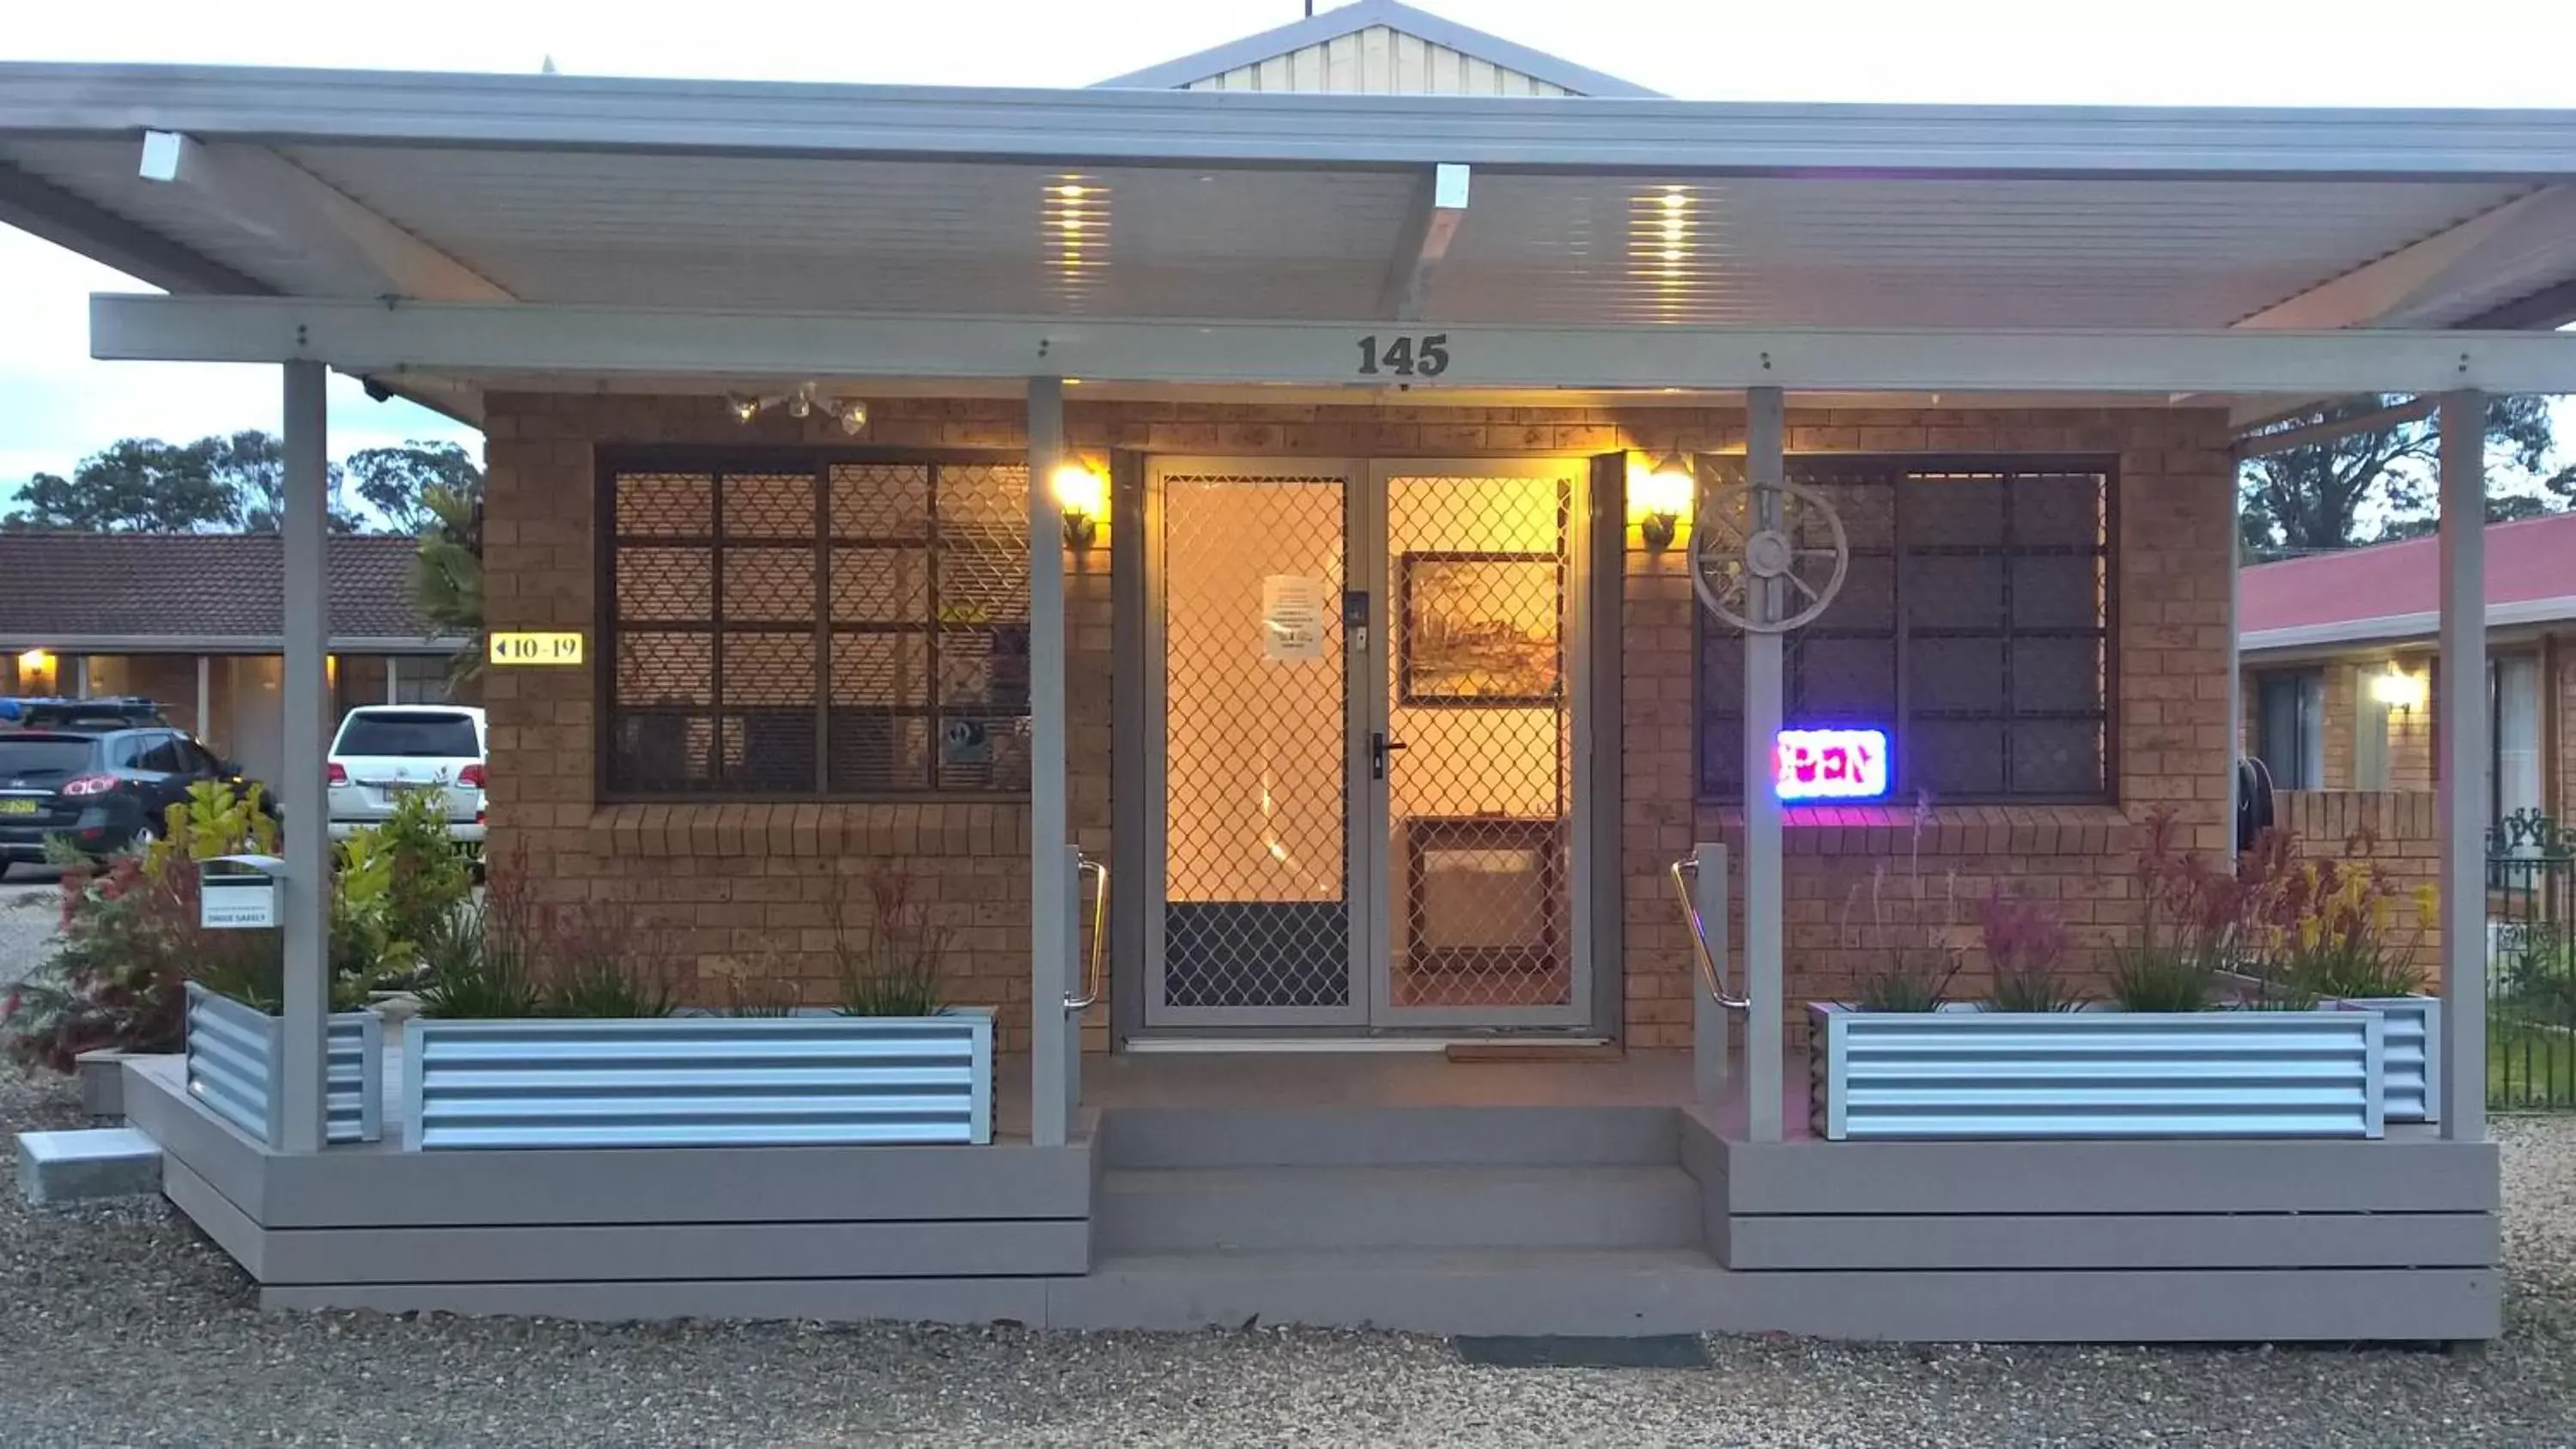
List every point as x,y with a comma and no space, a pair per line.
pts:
1292,618
238,892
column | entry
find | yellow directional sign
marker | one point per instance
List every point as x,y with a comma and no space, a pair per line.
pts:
537,648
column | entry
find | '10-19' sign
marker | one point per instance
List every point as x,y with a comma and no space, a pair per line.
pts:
1830,764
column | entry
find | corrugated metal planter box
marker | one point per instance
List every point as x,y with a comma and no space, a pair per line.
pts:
1962,1074
2413,1091
701,1081
233,1056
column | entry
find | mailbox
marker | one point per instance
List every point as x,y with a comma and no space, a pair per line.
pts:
238,892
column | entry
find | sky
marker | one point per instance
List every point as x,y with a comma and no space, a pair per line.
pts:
57,406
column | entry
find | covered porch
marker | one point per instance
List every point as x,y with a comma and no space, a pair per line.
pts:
1295,290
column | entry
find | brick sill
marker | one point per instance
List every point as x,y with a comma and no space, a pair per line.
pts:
927,828
1947,829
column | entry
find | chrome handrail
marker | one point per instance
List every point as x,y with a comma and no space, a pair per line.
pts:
1098,965
1685,878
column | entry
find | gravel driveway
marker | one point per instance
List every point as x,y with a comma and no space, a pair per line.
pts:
121,1326
29,899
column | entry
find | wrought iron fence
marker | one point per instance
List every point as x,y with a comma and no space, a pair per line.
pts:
2531,963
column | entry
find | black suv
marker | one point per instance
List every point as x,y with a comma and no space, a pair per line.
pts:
99,783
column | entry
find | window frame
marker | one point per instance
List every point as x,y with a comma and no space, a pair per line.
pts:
2308,682
1897,468
608,461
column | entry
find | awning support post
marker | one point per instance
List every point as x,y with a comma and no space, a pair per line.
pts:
1766,467
1054,1040
304,895
2461,792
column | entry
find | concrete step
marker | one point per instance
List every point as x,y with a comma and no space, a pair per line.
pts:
1500,1136
1238,1209
61,1167
1611,1293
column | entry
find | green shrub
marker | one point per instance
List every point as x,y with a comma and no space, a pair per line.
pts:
2025,944
428,874
2161,978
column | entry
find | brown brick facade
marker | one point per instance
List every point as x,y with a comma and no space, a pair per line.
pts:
747,884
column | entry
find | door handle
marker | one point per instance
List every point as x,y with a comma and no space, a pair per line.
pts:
1379,748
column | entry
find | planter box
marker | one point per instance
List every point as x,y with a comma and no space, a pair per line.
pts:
709,1081
233,1056
1992,1074
2414,1053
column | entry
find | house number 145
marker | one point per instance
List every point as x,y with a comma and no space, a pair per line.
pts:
1424,356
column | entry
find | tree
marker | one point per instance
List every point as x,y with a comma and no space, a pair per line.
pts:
447,574
2317,497
399,483
236,481
138,485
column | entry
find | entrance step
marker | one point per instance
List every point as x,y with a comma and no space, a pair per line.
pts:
1608,1293
1273,1209
1378,1136
61,1167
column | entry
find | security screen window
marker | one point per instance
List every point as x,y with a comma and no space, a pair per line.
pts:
1973,626
792,624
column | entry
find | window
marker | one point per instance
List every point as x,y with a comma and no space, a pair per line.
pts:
2513,744
431,734
163,756
819,625
1973,626
2290,729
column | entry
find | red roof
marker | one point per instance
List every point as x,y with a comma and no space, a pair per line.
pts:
2528,561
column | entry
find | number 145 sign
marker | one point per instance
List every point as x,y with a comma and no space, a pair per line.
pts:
1404,356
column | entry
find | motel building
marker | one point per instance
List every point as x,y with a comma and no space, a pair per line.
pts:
1412,608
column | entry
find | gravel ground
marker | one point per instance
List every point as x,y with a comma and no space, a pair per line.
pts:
121,1326
27,904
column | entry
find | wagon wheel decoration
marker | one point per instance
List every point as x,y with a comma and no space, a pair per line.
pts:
1735,549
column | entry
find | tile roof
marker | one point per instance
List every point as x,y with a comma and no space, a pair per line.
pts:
2386,590
185,587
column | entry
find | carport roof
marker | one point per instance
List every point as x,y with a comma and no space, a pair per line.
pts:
189,591
769,198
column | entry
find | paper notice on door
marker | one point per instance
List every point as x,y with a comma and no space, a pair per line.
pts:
1292,617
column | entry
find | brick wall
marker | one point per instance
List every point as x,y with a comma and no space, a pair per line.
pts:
747,885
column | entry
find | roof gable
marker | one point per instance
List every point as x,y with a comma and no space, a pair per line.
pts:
1381,47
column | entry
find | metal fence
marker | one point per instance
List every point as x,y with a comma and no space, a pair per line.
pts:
2531,963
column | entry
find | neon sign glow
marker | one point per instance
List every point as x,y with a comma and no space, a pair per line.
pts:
1830,764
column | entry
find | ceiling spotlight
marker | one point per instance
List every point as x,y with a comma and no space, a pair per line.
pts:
800,403
742,405
854,417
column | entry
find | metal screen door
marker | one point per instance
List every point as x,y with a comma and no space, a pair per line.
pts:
1368,762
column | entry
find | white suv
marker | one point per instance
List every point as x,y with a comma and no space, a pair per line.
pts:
383,749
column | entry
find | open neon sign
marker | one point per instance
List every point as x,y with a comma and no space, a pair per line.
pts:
1830,764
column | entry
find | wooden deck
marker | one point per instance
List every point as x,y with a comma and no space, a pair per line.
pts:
1393,1189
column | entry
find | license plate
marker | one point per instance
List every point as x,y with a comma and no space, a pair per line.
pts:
17,807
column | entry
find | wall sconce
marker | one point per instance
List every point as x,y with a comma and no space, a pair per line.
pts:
2398,689
1084,496
1660,497
35,661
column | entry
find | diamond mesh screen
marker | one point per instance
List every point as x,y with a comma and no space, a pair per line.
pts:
1478,797
1256,872
816,627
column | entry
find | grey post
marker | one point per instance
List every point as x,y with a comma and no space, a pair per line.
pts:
1708,1014
2461,792
2235,661
1051,891
1765,468
304,895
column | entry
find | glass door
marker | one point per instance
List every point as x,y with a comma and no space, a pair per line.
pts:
1255,921
1476,746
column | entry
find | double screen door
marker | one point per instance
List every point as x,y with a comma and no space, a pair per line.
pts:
1371,760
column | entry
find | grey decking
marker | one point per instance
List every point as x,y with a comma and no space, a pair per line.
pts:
1309,1189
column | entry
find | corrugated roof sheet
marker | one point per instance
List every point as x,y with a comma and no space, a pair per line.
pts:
2528,560
189,586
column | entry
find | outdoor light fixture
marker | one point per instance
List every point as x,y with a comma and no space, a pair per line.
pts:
804,402
1083,495
35,661
2398,689
1659,497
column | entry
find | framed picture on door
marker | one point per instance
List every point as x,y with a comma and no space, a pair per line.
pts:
1480,629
